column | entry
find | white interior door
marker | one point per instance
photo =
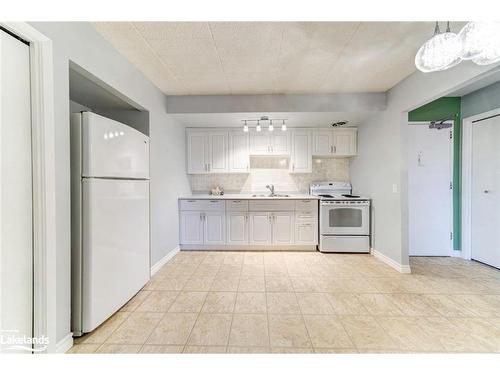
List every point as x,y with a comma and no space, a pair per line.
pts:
485,197
429,196
16,243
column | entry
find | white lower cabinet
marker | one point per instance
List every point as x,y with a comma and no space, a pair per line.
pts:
306,233
260,228
237,228
243,224
282,223
191,228
214,228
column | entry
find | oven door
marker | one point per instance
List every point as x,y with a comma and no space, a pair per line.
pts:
350,218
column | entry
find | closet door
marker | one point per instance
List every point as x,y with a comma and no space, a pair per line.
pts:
16,238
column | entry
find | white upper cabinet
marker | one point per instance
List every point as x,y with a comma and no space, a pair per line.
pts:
344,142
207,151
197,152
322,142
239,161
269,143
279,143
335,143
260,143
217,152
228,150
301,160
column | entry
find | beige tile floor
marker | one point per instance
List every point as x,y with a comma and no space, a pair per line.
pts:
287,302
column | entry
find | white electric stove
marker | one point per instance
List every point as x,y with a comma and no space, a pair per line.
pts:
344,218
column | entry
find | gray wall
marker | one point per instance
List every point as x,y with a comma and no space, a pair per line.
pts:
382,163
483,100
80,43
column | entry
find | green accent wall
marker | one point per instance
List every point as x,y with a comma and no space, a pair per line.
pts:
447,108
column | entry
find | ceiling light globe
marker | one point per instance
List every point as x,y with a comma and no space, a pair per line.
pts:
440,52
480,39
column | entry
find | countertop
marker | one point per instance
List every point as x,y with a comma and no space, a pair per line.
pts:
248,196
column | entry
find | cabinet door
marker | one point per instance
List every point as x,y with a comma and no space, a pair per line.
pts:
301,152
238,152
279,143
197,152
344,142
191,228
214,228
283,228
322,143
260,228
217,152
237,228
260,143
306,233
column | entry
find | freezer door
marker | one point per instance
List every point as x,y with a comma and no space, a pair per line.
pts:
115,251
112,149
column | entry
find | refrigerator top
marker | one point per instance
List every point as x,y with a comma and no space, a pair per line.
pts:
110,149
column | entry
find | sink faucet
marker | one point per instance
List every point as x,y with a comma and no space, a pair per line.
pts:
271,188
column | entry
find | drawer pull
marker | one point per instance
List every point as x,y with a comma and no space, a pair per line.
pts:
192,201
236,201
307,201
214,201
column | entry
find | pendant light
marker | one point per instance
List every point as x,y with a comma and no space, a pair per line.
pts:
481,42
441,52
258,127
283,126
245,127
271,126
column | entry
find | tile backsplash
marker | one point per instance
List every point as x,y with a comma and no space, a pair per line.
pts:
266,170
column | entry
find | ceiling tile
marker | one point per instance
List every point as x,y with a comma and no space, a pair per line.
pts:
270,57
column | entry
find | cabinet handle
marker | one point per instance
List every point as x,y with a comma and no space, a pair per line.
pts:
293,166
214,201
334,149
331,149
306,201
209,167
236,201
192,201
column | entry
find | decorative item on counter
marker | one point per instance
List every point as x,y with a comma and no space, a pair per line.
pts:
218,191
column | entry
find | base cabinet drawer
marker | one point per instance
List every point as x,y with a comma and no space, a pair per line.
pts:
237,205
202,205
306,205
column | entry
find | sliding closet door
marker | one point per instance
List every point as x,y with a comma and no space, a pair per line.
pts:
16,239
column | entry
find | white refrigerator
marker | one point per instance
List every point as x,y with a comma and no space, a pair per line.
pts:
109,218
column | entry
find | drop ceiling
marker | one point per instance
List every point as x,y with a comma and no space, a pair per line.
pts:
218,58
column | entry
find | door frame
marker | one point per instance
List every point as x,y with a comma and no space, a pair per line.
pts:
451,252
467,179
43,180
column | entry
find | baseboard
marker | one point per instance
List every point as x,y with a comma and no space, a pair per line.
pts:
65,344
397,266
457,254
156,267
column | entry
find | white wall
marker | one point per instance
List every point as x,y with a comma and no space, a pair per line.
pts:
80,43
381,161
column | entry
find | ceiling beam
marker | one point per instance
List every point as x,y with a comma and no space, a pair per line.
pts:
348,102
